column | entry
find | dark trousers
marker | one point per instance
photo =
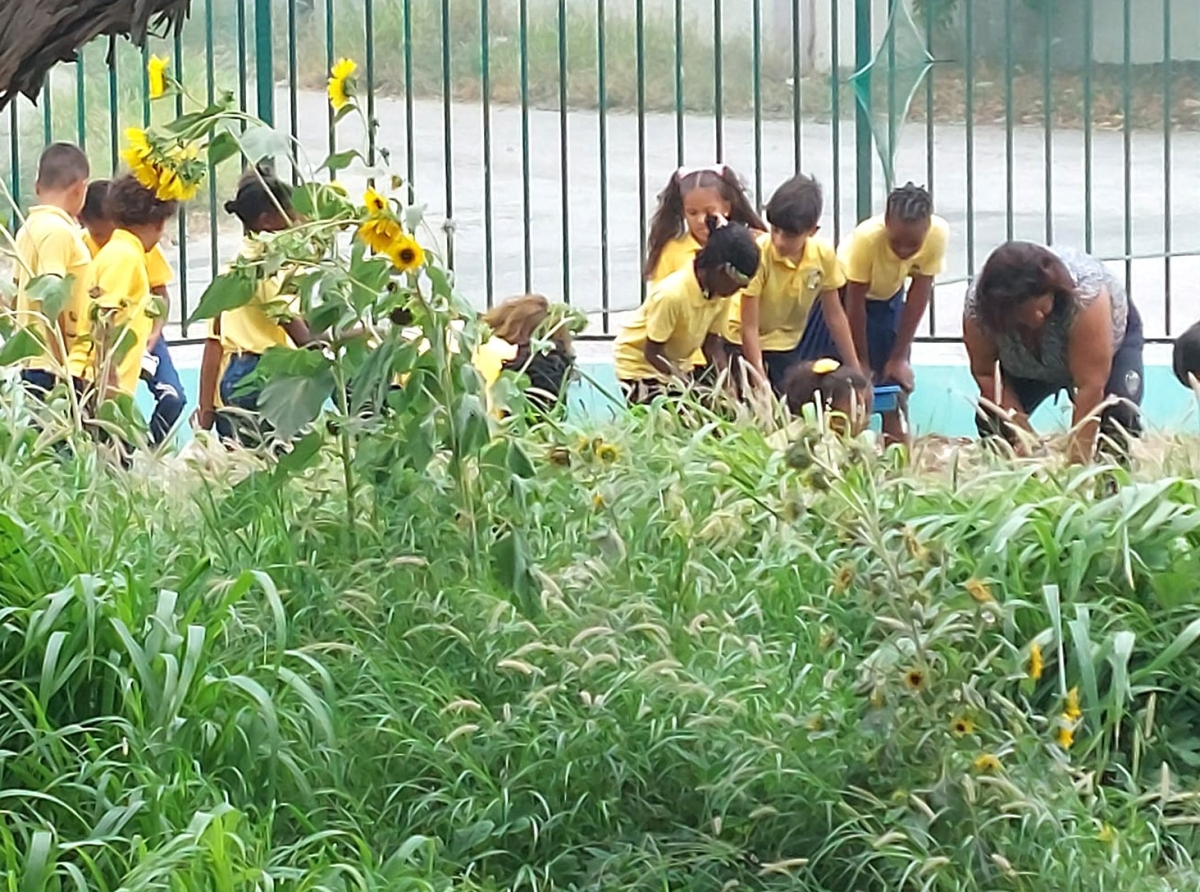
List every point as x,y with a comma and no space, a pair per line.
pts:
245,425
167,390
1118,421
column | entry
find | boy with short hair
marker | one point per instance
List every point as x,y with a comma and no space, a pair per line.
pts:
49,244
158,371
799,275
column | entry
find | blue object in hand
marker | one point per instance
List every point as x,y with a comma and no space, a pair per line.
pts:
887,398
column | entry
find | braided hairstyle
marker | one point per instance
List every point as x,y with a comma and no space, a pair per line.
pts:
729,244
260,193
668,221
909,203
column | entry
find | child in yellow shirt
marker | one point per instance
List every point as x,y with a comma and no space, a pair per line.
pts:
49,244
158,371
515,324
115,332
798,270
239,337
685,312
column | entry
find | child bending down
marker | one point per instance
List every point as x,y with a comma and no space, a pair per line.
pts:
515,325
842,392
239,337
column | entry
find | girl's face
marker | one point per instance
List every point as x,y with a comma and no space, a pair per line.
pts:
698,205
905,237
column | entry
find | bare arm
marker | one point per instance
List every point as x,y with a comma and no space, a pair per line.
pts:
299,332
751,341
210,366
655,354
984,358
715,353
839,329
856,314
1089,358
159,291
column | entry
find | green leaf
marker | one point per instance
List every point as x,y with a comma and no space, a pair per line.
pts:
518,461
226,292
368,280
261,141
339,161
370,383
52,292
510,563
20,346
292,402
302,456
222,147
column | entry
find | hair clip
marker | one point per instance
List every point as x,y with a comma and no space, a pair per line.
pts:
718,169
825,366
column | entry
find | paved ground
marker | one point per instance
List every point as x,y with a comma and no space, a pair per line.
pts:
592,260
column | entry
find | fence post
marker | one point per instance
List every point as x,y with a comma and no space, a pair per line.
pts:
862,110
264,62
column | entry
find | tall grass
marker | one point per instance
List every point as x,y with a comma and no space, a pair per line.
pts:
651,658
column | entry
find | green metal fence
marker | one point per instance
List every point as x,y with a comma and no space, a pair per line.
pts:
538,132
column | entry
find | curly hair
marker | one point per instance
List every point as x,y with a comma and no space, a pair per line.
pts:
259,192
729,244
1015,273
803,382
129,203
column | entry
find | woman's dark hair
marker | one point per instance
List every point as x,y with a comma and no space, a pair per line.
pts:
796,206
729,243
259,192
803,381
1186,355
909,203
668,222
93,202
1015,273
129,203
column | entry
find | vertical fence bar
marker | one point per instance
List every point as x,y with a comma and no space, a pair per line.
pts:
80,102
1167,129
1127,136
969,25
329,60
890,173
862,114
409,139
243,73
602,99
756,85
563,146
718,78
210,86
523,40
797,137
835,106
1048,117
114,124
264,62
485,69
447,132
144,81
182,227
293,83
679,102
372,122
1089,45
47,114
14,152
1008,120
640,51
929,136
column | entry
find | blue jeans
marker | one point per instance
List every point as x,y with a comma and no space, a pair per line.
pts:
235,425
167,390
883,324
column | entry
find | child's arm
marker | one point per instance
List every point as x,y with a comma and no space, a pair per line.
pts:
159,291
299,332
715,353
751,341
839,328
898,368
210,366
655,354
856,316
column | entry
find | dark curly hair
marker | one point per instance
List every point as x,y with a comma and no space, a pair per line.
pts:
1018,272
729,243
1186,355
129,203
259,192
802,382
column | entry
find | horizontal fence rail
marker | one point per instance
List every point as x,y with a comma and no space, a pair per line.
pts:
538,132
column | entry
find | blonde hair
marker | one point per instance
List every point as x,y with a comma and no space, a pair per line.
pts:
516,319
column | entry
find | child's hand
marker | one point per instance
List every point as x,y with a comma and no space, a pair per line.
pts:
899,371
203,419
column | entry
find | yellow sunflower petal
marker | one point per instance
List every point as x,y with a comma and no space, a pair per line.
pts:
156,76
374,202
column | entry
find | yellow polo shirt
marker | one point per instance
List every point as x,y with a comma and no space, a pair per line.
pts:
118,287
257,326
676,254
49,245
676,314
158,268
868,258
786,291
490,356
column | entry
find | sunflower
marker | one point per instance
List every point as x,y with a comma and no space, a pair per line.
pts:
1036,664
980,591
1066,735
375,203
986,762
138,152
962,726
844,578
914,679
607,453
341,87
156,76
406,255
1072,712
380,233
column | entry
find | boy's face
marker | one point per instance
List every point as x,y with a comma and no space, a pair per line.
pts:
790,245
905,237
